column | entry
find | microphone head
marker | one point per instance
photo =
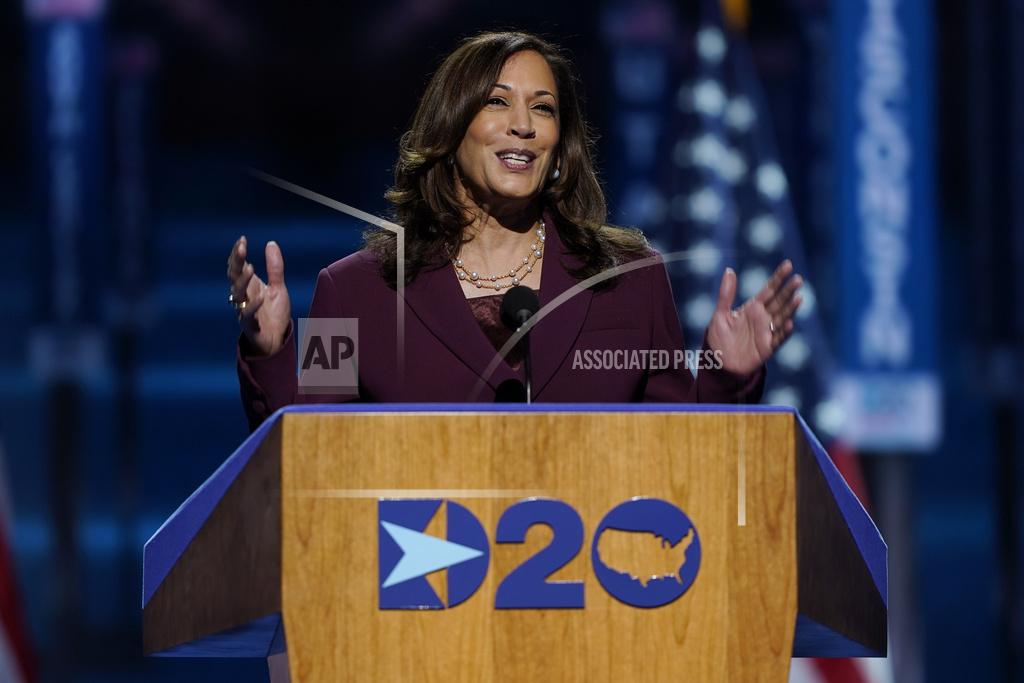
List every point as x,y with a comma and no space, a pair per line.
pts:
518,306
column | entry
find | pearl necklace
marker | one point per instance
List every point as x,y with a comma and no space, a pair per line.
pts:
513,277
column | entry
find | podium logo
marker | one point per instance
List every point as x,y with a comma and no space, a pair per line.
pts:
407,554
645,553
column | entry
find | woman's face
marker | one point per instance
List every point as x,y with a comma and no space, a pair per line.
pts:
509,149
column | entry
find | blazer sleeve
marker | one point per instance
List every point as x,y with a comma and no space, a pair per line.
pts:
677,384
267,383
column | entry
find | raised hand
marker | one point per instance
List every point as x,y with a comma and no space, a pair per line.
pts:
749,335
264,309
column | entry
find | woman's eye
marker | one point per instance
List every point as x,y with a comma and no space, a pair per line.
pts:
496,100
546,108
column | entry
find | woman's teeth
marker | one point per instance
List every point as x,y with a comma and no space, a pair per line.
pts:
515,160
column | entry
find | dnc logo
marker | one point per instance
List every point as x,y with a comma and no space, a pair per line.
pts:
645,552
407,554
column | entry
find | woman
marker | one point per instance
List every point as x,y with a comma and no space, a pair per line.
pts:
495,187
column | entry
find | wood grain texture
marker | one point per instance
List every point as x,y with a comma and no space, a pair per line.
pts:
735,623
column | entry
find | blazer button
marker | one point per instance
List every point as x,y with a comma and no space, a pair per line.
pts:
259,406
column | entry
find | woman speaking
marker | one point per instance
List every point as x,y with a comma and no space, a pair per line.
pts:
495,188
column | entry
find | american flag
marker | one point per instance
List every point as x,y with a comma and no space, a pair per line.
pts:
728,204
717,191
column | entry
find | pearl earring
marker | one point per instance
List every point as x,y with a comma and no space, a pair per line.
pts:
554,176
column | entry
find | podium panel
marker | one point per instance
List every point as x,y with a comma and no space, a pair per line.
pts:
577,543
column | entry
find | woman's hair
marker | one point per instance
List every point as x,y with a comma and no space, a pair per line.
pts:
424,197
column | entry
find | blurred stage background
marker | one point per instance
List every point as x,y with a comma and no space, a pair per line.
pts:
877,142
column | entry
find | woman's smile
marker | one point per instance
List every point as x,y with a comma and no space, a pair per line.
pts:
516,160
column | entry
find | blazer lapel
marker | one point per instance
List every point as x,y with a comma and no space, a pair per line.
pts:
437,300
554,336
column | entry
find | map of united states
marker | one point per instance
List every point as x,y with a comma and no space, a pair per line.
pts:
642,555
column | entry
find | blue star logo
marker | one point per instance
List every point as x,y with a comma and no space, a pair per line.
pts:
407,554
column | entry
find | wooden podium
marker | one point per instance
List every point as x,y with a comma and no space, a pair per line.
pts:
283,549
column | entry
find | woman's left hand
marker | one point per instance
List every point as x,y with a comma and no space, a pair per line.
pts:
749,335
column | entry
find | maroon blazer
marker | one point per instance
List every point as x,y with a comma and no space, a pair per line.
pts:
447,352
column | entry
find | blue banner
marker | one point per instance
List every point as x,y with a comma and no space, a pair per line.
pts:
885,197
66,83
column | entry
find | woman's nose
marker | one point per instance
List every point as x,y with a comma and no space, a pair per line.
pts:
519,122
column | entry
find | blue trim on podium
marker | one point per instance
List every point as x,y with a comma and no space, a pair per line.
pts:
814,640
259,638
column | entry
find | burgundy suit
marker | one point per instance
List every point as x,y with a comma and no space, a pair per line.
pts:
446,351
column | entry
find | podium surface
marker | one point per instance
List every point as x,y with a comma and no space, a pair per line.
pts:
494,542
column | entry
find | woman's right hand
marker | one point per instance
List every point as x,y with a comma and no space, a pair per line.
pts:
267,311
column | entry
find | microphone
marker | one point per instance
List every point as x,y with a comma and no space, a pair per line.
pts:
519,305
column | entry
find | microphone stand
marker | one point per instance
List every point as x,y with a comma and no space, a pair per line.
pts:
517,307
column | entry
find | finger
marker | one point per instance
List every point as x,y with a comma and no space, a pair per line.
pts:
255,288
275,264
784,295
248,314
782,334
786,315
777,278
236,259
727,291
783,331
240,287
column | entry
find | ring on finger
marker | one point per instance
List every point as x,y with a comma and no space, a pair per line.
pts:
239,304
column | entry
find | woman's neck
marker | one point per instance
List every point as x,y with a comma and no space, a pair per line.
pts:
498,232
497,243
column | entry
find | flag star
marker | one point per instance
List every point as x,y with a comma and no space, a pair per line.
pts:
699,311
711,44
829,416
740,114
731,166
707,151
708,97
794,353
771,181
706,205
765,232
705,257
784,396
752,280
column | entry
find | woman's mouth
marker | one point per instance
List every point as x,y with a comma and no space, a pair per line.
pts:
516,159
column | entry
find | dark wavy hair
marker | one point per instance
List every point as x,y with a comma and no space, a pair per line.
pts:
424,198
